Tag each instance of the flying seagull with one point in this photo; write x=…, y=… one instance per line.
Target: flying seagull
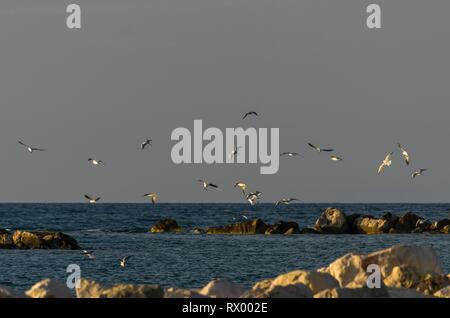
x=253, y=197
x=290, y=154
x=152, y=196
x=404, y=153
x=123, y=262
x=336, y=158
x=418, y=173
x=234, y=152
x=285, y=201
x=89, y=254
x=250, y=113
x=386, y=162
x=206, y=184
x=147, y=142
x=95, y=162
x=29, y=148
x=318, y=149
x=241, y=185
x=91, y=199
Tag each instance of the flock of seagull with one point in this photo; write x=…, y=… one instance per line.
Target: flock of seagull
x=251, y=197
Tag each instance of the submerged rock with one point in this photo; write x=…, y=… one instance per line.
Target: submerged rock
x=166, y=225
x=37, y=240
x=282, y=227
x=6, y=292
x=49, y=288
x=332, y=221
x=256, y=226
x=222, y=288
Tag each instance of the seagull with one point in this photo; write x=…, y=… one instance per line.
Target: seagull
x=242, y=216
x=290, y=154
x=336, y=158
x=234, y=152
x=123, y=262
x=418, y=173
x=319, y=149
x=250, y=113
x=89, y=254
x=29, y=148
x=206, y=184
x=285, y=201
x=147, y=142
x=404, y=153
x=253, y=197
x=95, y=162
x=386, y=162
x=152, y=196
x=241, y=185
x=91, y=199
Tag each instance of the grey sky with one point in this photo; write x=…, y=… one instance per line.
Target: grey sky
x=139, y=69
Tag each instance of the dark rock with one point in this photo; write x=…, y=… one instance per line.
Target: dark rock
x=282, y=227
x=166, y=225
x=442, y=226
x=446, y=229
x=422, y=226
x=308, y=230
x=256, y=226
x=351, y=222
x=332, y=221
x=406, y=223
x=198, y=231
x=42, y=240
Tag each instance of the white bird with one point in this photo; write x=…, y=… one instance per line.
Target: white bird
x=290, y=154
x=95, y=162
x=386, y=162
x=123, y=262
x=92, y=200
x=418, y=173
x=89, y=254
x=147, y=142
x=336, y=158
x=241, y=185
x=234, y=152
x=253, y=197
x=285, y=201
x=29, y=148
x=153, y=196
x=250, y=113
x=404, y=153
x=206, y=184
x=318, y=149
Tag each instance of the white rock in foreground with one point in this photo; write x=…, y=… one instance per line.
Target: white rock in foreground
x=222, y=288
x=49, y=288
x=6, y=292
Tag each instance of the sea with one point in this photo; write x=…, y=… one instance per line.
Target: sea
x=188, y=260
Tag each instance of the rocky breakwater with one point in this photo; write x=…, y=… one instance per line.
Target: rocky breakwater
x=166, y=225
x=405, y=271
x=36, y=240
x=334, y=221
x=256, y=226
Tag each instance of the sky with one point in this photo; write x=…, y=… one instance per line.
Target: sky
x=140, y=69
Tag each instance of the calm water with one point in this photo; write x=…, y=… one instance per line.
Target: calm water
x=189, y=260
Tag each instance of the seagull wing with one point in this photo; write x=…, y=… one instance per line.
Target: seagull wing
x=327, y=150
x=88, y=197
x=312, y=146
x=20, y=142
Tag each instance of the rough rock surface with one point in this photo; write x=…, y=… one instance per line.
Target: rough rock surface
x=166, y=225
x=406, y=223
x=92, y=289
x=282, y=227
x=353, y=293
x=37, y=240
x=182, y=293
x=443, y=293
x=222, y=288
x=49, y=288
x=369, y=225
x=332, y=221
x=256, y=226
x=314, y=280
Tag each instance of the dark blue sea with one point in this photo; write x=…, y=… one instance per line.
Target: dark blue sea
x=190, y=260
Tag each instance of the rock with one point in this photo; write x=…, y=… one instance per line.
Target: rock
x=315, y=281
x=182, y=293
x=282, y=227
x=49, y=288
x=332, y=221
x=446, y=229
x=353, y=293
x=406, y=223
x=5, y=239
x=6, y=292
x=256, y=226
x=405, y=293
x=222, y=288
x=198, y=231
x=349, y=271
x=289, y=291
x=367, y=225
x=308, y=230
x=440, y=225
x=166, y=225
x=258, y=290
x=422, y=226
x=43, y=240
x=443, y=293
x=351, y=220
x=92, y=289
x=429, y=284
